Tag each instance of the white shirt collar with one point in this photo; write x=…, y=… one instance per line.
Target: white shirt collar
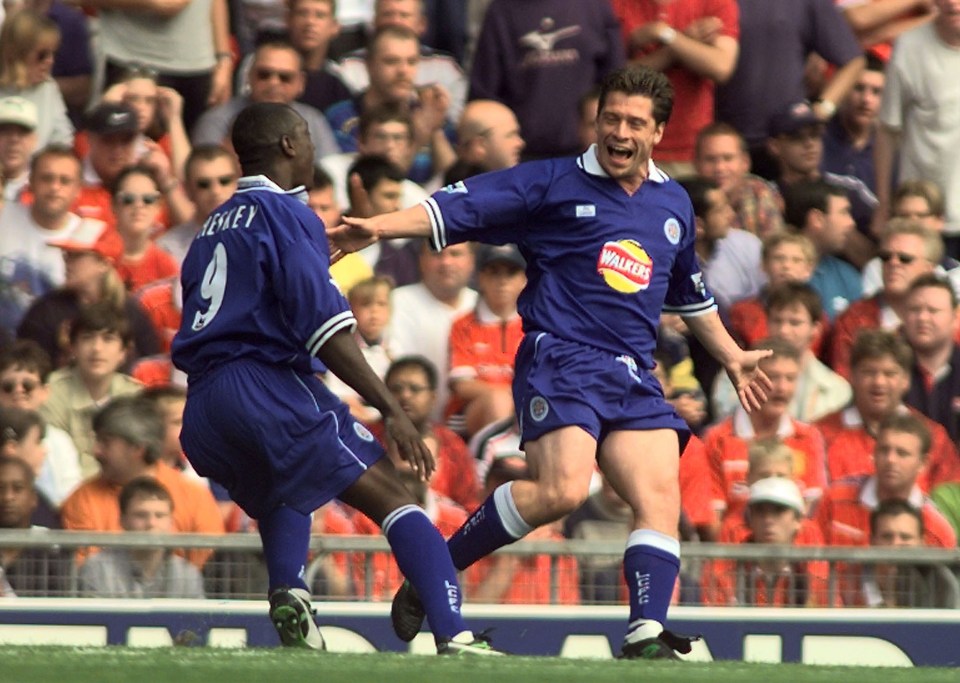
x=262, y=182
x=589, y=162
x=869, y=499
x=743, y=428
x=488, y=317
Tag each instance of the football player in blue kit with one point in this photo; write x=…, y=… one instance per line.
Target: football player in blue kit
x=259, y=309
x=609, y=243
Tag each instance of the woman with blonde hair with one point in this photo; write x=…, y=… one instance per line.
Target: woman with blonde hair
x=28, y=43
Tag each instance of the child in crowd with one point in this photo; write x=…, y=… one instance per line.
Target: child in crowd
x=24, y=370
x=99, y=338
x=370, y=301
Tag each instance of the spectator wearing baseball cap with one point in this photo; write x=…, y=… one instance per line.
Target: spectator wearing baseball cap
x=90, y=254
x=115, y=143
x=483, y=343
x=775, y=515
x=796, y=143
x=18, y=141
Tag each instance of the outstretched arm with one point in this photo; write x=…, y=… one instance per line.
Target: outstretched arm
x=742, y=366
x=356, y=233
x=343, y=357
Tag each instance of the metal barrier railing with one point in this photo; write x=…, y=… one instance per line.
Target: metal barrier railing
x=746, y=574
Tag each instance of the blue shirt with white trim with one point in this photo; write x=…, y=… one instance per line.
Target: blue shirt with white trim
x=257, y=285
x=601, y=264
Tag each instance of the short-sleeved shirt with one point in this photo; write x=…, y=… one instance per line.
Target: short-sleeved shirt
x=601, y=264
x=250, y=285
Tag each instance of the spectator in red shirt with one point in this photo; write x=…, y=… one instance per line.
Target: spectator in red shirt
x=413, y=380
x=696, y=44
x=787, y=257
x=903, y=444
x=774, y=516
x=483, y=343
x=880, y=377
x=136, y=206
x=728, y=441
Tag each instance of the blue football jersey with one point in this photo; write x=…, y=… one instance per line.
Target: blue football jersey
x=256, y=284
x=601, y=264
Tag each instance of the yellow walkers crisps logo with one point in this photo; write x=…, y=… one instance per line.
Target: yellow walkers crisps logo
x=625, y=266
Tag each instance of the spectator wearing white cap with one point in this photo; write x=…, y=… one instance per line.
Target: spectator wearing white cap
x=18, y=141
x=774, y=516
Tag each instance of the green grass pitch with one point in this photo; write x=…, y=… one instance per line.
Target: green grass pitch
x=210, y=665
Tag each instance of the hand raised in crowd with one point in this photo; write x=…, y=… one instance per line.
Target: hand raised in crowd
x=431, y=113
x=221, y=83
x=404, y=439
x=157, y=161
x=169, y=103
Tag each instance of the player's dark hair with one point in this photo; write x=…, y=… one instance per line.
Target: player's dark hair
x=28, y=355
x=143, y=487
x=134, y=419
x=894, y=508
x=372, y=168
x=803, y=197
x=421, y=363
x=640, y=80
x=258, y=129
x=698, y=188
x=908, y=423
x=101, y=317
x=789, y=293
x=877, y=344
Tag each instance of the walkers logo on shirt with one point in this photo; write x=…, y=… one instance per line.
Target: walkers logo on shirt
x=625, y=266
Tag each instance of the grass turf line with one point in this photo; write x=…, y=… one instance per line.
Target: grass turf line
x=50, y=664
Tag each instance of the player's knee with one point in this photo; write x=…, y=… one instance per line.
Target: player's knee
x=562, y=500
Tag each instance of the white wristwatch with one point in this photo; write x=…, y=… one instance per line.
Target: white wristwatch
x=667, y=35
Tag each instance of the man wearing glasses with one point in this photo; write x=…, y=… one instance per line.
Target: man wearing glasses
x=276, y=75
x=907, y=251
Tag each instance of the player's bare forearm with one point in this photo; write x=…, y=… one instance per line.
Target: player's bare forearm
x=344, y=359
x=356, y=233
x=715, y=338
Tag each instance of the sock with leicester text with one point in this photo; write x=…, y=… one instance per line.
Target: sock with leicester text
x=493, y=525
x=651, y=564
x=424, y=560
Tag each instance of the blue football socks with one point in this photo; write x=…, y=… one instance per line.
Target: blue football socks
x=424, y=560
x=651, y=564
x=493, y=525
x=286, y=540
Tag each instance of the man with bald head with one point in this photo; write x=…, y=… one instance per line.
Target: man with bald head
x=257, y=418
x=489, y=136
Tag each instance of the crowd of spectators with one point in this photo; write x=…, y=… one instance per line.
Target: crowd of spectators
x=817, y=141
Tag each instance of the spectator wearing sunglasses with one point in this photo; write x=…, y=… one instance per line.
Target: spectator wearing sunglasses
x=136, y=204
x=277, y=76
x=907, y=251
x=29, y=42
x=24, y=371
x=210, y=176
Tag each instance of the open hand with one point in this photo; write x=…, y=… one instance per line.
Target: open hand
x=404, y=437
x=751, y=382
x=352, y=235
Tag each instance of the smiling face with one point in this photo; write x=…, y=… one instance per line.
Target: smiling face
x=626, y=136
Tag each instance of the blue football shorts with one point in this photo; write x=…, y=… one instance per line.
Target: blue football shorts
x=560, y=383
x=272, y=436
